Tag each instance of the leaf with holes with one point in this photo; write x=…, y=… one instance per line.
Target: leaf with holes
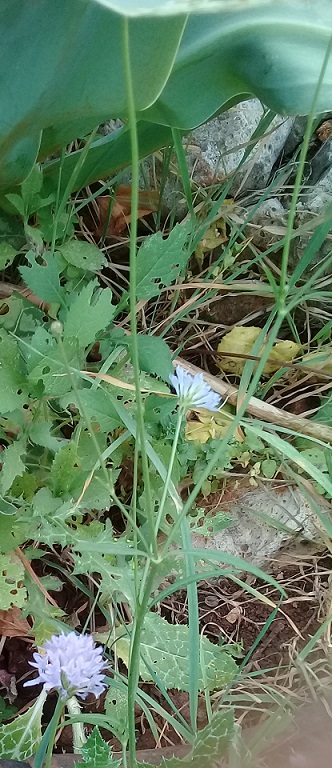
x=96, y=753
x=90, y=312
x=43, y=279
x=13, y=533
x=12, y=464
x=53, y=371
x=160, y=261
x=84, y=255
x=116, y=710
x=97, y=405
x=19, y=739
x=7, y=255
x=12, y=591
x=166, y=649
x=64, y=469
x=12, y=381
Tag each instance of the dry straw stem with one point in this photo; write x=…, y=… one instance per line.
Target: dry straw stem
x=260, y=409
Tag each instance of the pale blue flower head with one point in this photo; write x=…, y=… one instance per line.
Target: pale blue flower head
x=192, y=391
x=72, y=664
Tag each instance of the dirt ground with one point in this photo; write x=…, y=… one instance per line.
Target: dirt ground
x=227, y=614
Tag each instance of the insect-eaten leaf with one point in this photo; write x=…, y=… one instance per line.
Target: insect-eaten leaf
x=160, y=261
x=165, y=649
x=84, y=255
x=115, y=212
x=204, y=425
x=12, y=591
x=43, y=279
x=237, y=345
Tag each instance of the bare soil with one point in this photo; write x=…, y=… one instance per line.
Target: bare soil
x=229, y=614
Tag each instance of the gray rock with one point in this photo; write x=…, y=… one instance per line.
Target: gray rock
x=319, y=197
x=251, y=537
x=217, y=148
x=320, y=163
x=295, y=135
x=266, y=224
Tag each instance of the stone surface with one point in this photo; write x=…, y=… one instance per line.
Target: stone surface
x=251, y=537
x=216, y=148
x=267, y=223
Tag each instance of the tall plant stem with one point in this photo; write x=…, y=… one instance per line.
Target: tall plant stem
x=134, y=662
x=53, y=729
x=169, y=470
x=141, y=606
x=132, y=283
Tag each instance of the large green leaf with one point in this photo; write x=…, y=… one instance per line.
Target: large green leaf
x=64, y=59
x=170, y=7
x=74, y=65
x=106, y=156
x=274, y=52
x=165, y=649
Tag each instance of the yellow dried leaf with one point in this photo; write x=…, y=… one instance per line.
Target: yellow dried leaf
x=208, y=425
x=239, y=340
x=283, y=352
x=214, y=236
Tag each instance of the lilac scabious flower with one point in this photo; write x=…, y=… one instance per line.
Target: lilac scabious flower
x=192, y=391
x=72, y=664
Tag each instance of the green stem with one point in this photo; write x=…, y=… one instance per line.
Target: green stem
x=52, y=732
x=133, y=271
x=170, y=470
x=134, y=663
x=79, y=737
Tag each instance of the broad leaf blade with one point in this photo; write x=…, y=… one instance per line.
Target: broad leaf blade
x=159, y=262
x=155, y=356
x=43, y=280
x=19, y=738
x=166, y=649
x=90, y=313
x=13, y=385
x=53, y=78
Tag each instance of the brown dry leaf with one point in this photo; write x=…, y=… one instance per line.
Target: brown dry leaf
x=148, y=202
x=234, y=615
x=324, y=131
x=12, y=624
